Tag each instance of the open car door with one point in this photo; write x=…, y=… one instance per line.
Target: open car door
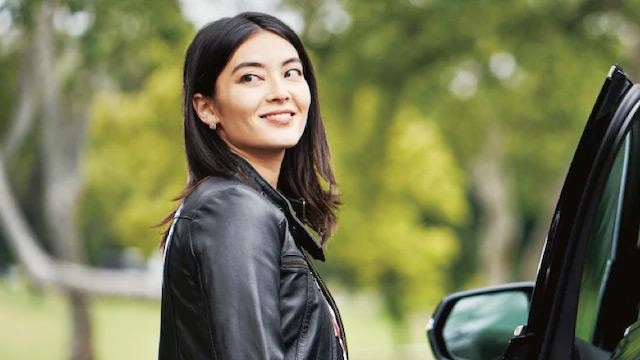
x=586, y=293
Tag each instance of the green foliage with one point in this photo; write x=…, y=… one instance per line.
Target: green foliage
x=129, y=39
x=105, y=62
x=460, y=70
x=399, y=238
x=409, y=92
x=135, y=163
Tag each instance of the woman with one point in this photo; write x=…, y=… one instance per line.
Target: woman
x=238, y=283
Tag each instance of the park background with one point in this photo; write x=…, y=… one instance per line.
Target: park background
x=451, y=123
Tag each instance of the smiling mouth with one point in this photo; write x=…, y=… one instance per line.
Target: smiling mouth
x=279, y=117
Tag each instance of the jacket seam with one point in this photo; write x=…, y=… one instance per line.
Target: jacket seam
x=304, y=325
x=204, y=295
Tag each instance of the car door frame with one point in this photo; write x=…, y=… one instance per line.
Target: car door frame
x=550, y=330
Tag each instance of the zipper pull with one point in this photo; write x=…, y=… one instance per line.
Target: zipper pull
x=304, y=211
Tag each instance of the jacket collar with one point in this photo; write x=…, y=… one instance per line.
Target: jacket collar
x=291, y=208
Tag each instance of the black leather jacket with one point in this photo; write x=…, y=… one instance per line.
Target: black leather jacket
x=237, y=281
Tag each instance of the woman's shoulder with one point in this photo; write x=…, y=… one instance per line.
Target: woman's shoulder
x=234, y=214
x=230, y=196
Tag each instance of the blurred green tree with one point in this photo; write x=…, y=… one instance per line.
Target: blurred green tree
x=58, y=54
x=506, y=85
x=451, y=124
x=135, y=162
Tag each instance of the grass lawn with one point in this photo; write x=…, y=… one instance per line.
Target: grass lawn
x=35, y=326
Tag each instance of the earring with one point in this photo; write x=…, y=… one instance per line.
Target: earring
x=213, y=125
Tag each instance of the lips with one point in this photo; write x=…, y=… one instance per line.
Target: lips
x=280, y=116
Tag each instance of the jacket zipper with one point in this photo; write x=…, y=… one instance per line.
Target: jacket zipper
x=329, y=298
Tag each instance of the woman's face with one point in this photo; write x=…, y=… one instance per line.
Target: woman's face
x=261, y=97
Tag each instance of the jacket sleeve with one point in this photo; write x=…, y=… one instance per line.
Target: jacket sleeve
x=236, y=240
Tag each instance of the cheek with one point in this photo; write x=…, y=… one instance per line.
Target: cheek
x=305, y=98
x=238, y=104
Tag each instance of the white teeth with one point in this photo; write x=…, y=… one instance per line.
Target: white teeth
x=279, y=117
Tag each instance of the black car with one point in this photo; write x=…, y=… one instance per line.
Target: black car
x=584, y=302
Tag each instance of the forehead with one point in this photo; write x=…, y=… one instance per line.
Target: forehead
x=263, y=47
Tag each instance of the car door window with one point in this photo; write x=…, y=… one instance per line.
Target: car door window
x=601, y=246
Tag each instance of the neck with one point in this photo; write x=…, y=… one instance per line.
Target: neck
x=267, y=164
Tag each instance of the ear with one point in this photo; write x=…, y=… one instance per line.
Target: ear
x=205, y=108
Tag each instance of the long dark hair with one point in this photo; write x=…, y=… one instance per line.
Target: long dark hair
x=305, y=165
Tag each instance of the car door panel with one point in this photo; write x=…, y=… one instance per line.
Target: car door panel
x=591, y=257
x=550, y=332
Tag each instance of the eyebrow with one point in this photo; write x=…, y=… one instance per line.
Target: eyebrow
x=259, y=65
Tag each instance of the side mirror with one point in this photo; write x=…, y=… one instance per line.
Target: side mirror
x=478, y=324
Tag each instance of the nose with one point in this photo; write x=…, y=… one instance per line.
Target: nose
x=278, y=92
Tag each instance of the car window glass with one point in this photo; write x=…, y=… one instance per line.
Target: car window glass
x=602, y=240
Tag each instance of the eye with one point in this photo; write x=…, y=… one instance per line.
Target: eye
x=247, y=78
x=293, y=73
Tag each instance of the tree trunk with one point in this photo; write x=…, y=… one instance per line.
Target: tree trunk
x=45, y=271
x=81, y=345
x=62, y=179
x=62, y=146
x=498, y=231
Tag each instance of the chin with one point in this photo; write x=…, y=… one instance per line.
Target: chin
x=287, y=145
x=285, y=140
